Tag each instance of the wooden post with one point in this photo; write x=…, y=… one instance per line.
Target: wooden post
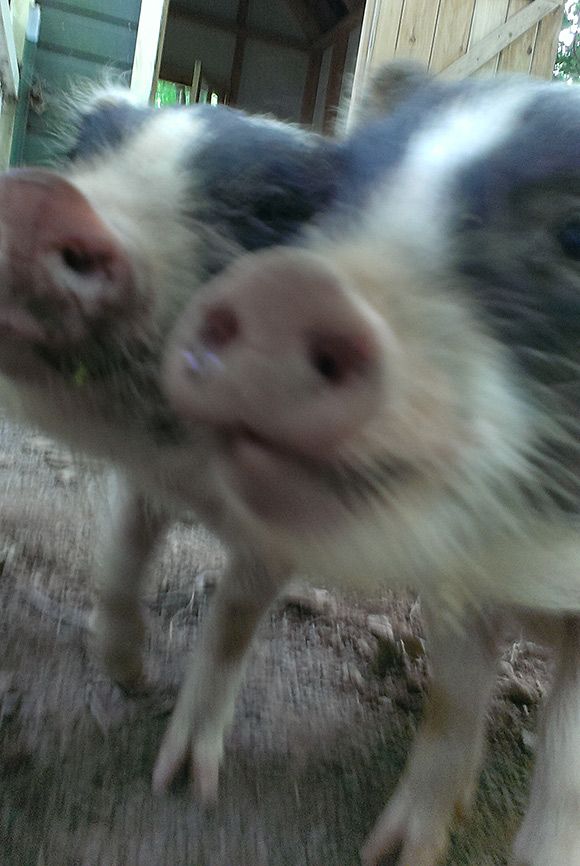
x=240, y=46
x=337, y=64
x=311, y=87
x=150, y=34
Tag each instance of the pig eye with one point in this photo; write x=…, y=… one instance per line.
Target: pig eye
x=569, y=239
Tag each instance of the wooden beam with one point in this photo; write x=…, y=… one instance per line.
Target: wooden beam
x=305, y=19
x=501, y=37
x=9, y=72
x=334, y=88
x=311, y=87
x=257, y=33
x=340, y=30
x=238, y=58
x=148, y=47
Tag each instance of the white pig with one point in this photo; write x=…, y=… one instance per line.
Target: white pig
x=395, y=399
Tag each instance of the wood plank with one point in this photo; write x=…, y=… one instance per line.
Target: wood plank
x=417, y=29
x=452, y=34
x=337, y=64
x=72, y=32
x=378, y=40
x=147, y=48
x=8, y=59
x=517, y=57
x=546, y=46
x=177, y=11
x=160, y=44
x=383, y=40
x=122, y=10
x=311, y=87
x=239, y=48
x=500, y=38
x=486, y=17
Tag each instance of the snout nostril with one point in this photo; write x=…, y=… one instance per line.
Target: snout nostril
x=79, y=261
x=220, y=327
x=328, y=366
x=337, y=358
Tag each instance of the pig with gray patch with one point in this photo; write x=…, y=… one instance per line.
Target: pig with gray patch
x=395, y=401
x=97, y=260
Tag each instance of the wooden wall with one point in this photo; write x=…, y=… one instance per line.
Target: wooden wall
x=462, y=37
x=80, y=40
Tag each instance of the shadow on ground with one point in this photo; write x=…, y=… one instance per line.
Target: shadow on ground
x=319, y=740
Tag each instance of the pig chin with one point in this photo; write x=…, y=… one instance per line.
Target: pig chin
x=278, y=488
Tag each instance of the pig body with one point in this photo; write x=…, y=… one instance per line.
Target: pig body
x=396, y=400
x=97, y=261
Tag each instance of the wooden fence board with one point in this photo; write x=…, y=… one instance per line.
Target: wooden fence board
x=387, y=31
x=517, y=57
x=378, y=39
x=461, y=37
x=452, y=33
x=417, y=29
x=482, y=51
x=546, y=45
x=486, y=17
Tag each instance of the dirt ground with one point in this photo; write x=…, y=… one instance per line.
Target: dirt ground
x=323, y=725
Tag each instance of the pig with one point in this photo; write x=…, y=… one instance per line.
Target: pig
x=97, y=260
x=395, y=397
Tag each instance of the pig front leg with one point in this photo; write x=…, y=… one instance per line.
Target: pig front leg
x=442, y=771
x=132, y=530
x=206, y=702
x=550, y=832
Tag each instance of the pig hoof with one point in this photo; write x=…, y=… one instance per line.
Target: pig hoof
x=399, y=840
x=397, y=853
x=201, y=760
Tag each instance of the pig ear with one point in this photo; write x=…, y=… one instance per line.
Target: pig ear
x=387, y=87
x=101, y=118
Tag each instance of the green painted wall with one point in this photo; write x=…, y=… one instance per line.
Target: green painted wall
x=79, y=41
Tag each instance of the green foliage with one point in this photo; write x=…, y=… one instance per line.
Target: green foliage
x=169, y=93
x=568, y=57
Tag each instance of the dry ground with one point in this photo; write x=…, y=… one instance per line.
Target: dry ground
x=322, y=729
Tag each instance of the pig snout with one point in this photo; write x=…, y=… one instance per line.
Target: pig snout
x=279, y=347
x=61, y=268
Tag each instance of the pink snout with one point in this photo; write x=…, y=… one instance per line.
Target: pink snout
x=61, y=268
x=278, y=347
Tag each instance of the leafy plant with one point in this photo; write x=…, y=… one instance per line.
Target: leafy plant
x=568, y=57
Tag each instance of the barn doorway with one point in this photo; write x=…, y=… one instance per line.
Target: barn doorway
x=293, y=59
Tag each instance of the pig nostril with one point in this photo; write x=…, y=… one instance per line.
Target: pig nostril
x=336, y=359
x=79, y=261
x=328, y=367
x=220, y=327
